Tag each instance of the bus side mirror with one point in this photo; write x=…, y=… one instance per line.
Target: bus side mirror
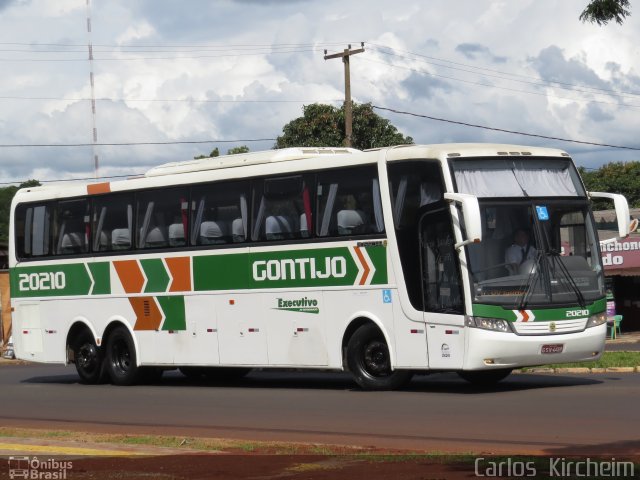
x=622, y=211
x=471, y=214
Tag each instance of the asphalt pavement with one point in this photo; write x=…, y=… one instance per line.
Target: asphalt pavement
x=527, y=413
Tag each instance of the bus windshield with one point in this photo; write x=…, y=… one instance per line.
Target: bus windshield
x=537, y=249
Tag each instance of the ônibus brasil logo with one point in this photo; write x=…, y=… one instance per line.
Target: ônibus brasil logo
x=303, y=305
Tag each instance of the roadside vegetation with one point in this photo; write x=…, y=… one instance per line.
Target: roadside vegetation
x=608, y=360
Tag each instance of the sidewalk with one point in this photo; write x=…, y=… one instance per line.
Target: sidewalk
x=624, y=342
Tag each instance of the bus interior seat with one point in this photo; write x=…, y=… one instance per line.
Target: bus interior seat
x=212, y=233
x=71, y=242
x=176, y=235
x=155, y=238
x=120, y=239
x=237, y=230
x=350, y=221
x=277, y=227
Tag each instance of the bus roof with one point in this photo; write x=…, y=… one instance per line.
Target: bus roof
x=469, y=150
x=250, y=158
x=340, y=155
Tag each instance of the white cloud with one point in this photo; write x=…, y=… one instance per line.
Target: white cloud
x=213, y=90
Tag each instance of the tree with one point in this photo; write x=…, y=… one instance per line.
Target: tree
x=214, y=153
x=323, y=126
x=236, y=150
x=615, y=177
x=6, y=196
x=232, y=151
x=603, y=11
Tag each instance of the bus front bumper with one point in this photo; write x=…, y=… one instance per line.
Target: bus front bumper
x=489, y=350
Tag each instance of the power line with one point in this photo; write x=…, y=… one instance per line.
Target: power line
x=195, y=57
x=85, y=179
x=120, y=144
x=470, y=82
x=168, y=100
x=502, y=130
x=543, y=82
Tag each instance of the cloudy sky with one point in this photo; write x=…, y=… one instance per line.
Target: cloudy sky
x=237, y=71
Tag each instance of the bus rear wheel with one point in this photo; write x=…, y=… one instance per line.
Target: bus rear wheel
x=121, y=359
x=369, y=361
x=89, y=359
x=485, y=378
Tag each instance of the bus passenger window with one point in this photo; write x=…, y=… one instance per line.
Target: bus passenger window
x=349, y=202
x=112, y=221
x=283, y=208
x=32, y=230
x=219, y=213
x=162, y=218
x=71, y=227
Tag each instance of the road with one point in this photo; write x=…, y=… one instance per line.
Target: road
x=526, y=413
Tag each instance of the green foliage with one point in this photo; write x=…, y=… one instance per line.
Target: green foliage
x=6, y=195
x=603, y=11
x=615, y=177
x=236, y=150
x=216, y=152
x=323, y=126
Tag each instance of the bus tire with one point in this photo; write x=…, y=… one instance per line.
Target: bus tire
x=89, y=359
x=121, y=359
x=369, y=361
x=485, y=378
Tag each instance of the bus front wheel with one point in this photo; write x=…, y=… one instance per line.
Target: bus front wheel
x=121, y=360
x=89, y=359
x=369, y=361
x=485, y=378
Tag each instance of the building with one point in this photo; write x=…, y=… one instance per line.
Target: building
x=621, y=260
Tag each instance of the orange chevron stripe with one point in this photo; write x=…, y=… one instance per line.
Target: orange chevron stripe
x=180, y=270
x=130, y=275
x=148, y=315
x=367, y=270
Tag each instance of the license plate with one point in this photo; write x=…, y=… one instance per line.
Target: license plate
x=552, y=348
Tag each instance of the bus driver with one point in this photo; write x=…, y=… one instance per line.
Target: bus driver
x=519, y=252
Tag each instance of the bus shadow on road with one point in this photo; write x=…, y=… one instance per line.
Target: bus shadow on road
x=445, y=382
x=452, y=383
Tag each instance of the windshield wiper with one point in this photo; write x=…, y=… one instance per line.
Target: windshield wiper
x=565, y=271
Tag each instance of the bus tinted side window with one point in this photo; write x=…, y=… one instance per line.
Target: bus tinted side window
x=112, y=222
x=219, y=213
x=33, y=230
x=349, y=202
x=162, y=218
x=282, y=208
x=71, y=227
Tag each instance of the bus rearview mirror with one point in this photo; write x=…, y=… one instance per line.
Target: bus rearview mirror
x=471, y=214
x=622, y=211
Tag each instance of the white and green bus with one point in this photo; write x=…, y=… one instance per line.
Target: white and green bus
x=385, y=262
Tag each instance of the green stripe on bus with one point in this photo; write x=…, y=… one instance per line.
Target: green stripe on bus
x=174, y=311
x=156, y=273
x=541, y=314
x=101, y=277
x=317, y=267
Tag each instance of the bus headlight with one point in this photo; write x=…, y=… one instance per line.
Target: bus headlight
x=495, y=324
x=597, y=319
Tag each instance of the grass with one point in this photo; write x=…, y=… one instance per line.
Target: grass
x=608, y=359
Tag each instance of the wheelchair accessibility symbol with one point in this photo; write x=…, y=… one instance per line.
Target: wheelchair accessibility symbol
x=386, y=296
x=543, y=213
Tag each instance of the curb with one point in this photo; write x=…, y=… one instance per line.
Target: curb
x=581, y=370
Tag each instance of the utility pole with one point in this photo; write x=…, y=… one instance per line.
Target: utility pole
x=348, y=114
